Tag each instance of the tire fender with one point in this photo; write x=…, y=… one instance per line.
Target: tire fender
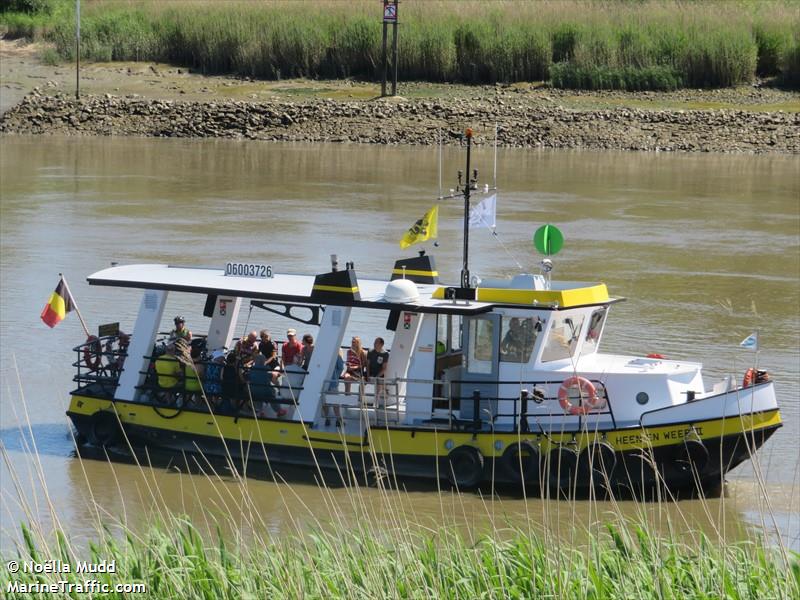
x=465, y=467
x=521, y=462
x=104, y=429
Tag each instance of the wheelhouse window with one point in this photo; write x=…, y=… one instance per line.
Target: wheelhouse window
x=481, y=340
x=448, y=334
x=563, y=336
x=592, y=339
x=518, y=337
x=455, y=332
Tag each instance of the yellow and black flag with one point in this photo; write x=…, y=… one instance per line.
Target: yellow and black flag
x=424, y=229
x=58, y=306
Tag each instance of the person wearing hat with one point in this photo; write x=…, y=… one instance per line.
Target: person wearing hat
x=292, y=350
x=180, y=331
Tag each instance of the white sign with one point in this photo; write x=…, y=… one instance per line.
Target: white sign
x=233, y=269
x=389, y=13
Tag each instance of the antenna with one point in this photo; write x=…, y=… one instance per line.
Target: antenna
x=494, y=180
x=464, y=189
x=465, y=282
x=440, y=163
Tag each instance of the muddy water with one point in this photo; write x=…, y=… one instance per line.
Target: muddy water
x=705, y=248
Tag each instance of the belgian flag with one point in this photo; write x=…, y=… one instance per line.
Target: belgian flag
x=58, y=306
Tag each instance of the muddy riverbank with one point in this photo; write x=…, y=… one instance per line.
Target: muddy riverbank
x=147, y=99
x=406, y=121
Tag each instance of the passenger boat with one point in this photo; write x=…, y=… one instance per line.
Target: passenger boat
x=493, y=381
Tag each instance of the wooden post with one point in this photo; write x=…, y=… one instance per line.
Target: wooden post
x=385, y=57
x=77, y=49
x=389, y=16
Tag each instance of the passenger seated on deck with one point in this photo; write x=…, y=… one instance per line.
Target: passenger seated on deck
x=269, y=350
x=231, y=384
x=356, y=363
x=261, y=390
x=308, y=350
x=377, y=361
x=180, y=331
x=169, y=373
x=292, y=350
x=247, y=349
x=191, y=381
x=212, y=378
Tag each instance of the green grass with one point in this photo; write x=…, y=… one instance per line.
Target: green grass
x=175, y=561
x=601, y=44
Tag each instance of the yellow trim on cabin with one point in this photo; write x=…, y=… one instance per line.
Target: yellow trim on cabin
x=335, y=288
x=595, y=294
x=417, y=442
x=415, y=272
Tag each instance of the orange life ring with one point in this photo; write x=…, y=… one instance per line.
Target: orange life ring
x=588, y=391
x=749, y=378
x=92, y=353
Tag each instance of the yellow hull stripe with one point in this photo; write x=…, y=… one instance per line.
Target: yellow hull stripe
x=335, y=288
x=415, y=272
x=420, y=442
x=595, y=294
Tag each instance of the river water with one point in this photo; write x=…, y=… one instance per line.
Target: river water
x=705, y=247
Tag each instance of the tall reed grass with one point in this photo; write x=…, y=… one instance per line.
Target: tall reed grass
x=648, y=44
x=175, y=561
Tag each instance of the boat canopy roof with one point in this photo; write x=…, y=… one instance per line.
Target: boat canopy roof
x=297, y=289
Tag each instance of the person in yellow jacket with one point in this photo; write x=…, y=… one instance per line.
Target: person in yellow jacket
x=191, y=382
x=169, y=373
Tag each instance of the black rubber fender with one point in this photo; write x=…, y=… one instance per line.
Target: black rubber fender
x=521, y=462
x=465, y=467
x=601, y=458
x=563, y=467
x=104, y=429
x=636, y=472
x=694, y=456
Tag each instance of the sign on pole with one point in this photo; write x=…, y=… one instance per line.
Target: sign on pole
x=389, y=12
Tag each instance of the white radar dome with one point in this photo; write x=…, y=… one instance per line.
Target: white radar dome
x=401, y=291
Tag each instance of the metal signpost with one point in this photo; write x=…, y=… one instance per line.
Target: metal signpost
x=389, y=17
x=77, y=49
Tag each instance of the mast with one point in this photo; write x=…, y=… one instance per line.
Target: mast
x=465, y=258
x=465, y=189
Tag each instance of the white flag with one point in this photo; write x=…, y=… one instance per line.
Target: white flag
x=484, y=214
x=750, y=342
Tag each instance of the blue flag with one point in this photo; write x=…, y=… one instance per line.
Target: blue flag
x=750, y=342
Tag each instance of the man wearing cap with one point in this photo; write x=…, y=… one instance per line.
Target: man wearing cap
x=292, y=350
x=180, y=331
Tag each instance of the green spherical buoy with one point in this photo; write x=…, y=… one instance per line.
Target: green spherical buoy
x=548, y=240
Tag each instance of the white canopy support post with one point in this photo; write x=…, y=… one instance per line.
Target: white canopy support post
x=323, y=361
x=402, y=348
x=220, y=331
x=143, y=337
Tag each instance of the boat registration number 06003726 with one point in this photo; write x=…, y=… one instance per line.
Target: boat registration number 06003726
x=248, y=270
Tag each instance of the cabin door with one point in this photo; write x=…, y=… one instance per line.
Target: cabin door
x=481, y=365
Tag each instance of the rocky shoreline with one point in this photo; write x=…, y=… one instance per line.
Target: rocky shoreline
x=523, y=122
